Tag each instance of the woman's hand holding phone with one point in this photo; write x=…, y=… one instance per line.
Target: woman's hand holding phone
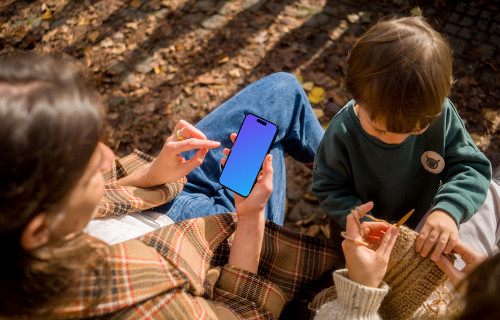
x=249, y=234
x=253, y=206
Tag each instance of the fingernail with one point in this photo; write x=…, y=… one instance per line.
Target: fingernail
x=394, y=231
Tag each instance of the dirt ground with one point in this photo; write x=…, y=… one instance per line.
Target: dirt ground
x=156, y=62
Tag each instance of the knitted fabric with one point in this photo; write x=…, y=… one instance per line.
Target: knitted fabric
x=410, y=277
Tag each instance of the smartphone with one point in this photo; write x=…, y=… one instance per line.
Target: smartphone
x=255, y=139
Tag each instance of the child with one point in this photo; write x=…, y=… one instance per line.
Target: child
x=401, y=143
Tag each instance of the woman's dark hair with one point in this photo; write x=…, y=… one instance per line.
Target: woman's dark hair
x=482, y=297
x=50, y=122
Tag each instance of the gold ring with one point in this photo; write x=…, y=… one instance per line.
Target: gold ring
x=179, y=136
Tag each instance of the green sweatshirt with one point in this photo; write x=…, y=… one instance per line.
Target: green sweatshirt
x=440, y=167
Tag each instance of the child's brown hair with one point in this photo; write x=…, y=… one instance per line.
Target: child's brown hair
x=400, y=71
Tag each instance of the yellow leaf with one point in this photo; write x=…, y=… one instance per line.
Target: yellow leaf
x=316, y=95
x=82, y=21
x=47, y=15
x=300, y=78
x=318, y=91
x=157, y=69
x=136, y=3
x=416, y=11
x=314, y=99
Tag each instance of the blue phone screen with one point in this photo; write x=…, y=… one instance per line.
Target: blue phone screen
x=249, y=150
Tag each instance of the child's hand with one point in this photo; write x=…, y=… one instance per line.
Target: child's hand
x=439, y=226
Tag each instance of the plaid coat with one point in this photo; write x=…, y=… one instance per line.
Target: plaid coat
x=181, y=271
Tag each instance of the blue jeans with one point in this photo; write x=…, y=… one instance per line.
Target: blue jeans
x=278, y=98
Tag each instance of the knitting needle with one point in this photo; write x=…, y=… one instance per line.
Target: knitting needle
x=403, y=219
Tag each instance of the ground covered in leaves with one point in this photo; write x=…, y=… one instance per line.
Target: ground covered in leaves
x=158, y=61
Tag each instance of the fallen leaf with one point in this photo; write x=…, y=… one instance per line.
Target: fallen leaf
x=235, y=73
x=299, y=78
x=305, y=221
x=157, y=69
x=245, y=65
x=307, y=85
x=325, y=229
x=140, y=92
x=353, y=18
x=311, y=231
x=82, y=21
x=416, y=11
x=476, y=138
x=338, y=98
x=310, y=197
x=208, y=79
x=93, y=36
x=47, y=15
x=491, y=115
x=316, y=95
x=136, y=3
x=222, y=59
x=131, y=25
x=318, y=112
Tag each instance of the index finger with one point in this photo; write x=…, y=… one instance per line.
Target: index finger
x=352, y=227
x=190, y=144
x=449, y=269
x=461, y=248
x=189, y=131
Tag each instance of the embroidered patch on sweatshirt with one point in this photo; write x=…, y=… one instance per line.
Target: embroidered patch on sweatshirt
x=432, y=162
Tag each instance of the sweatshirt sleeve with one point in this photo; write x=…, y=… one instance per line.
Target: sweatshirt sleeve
x=354, y=301
x=467, y=172
x=332, y=176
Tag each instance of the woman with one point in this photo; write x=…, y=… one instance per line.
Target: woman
x=231, y=265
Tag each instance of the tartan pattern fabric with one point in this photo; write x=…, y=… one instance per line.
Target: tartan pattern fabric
x=175, y=273
x=119, y=200
x=180, y=271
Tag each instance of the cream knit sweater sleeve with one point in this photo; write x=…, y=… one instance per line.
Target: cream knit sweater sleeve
x=354, y=301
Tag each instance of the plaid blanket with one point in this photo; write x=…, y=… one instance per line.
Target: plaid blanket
x=181, y=271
